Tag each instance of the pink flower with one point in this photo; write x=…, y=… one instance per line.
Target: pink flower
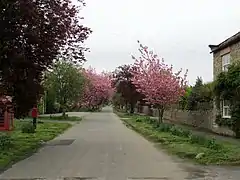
x=156, y=80
x=98, y=88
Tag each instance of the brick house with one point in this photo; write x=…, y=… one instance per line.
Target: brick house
x=225, y=53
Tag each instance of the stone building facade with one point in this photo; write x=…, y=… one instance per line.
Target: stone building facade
x=225, y=53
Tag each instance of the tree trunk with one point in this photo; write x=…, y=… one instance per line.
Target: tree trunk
x=126, y=107
x=149, y=110
x=64, y=113
x=131, y=108
x=63, y=110
x=160, y=115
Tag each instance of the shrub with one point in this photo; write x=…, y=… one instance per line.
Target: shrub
x=138, y=119
x=165, y=127
x=5, y=141
x=176, y=131
x=180, y=132
x=186, y=133
x=201, y=96
x=196, y=139
x=28, y=128
x=212, y=144
x=147, y=119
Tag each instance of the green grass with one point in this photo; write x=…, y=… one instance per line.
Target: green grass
x=60, y=118
x=127, y=115
x=24, y=144
x=185, y=145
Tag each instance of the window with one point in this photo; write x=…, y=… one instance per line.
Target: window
x=225, y=61
x=226, y=109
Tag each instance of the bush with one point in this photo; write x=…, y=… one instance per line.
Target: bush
x=200, y=97
x=196, y=139
x=138, y=119
x=181, y=132
x=212, y=144
x=186, y=133
x=5, y=141
x=165, y=127
x=28, y=128
x=147, y=119
x=176, y=131
x=152, y=121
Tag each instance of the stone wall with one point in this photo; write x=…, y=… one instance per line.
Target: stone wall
x=196, y=119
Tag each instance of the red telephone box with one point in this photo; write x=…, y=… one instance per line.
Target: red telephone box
x=6, y=113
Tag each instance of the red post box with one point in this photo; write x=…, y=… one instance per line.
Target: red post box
x=6, y=113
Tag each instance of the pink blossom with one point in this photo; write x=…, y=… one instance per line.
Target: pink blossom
x=156, y=80
x=97, y=88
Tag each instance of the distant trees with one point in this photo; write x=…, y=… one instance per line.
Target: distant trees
x=64, y=84
x=97, y=90
x=71, y=87
x=33, y=34
x=125, y=89
x=201, y=96
x=183, y=102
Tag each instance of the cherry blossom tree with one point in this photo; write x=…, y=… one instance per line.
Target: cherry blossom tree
x=97, y=90
x=157, y=81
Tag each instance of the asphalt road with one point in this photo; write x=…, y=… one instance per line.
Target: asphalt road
x=102, y=148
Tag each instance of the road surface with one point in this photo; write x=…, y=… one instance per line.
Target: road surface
x=102, y=148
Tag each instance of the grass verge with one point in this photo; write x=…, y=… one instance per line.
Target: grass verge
x=183, y=143
x=60, y=118
x=16, y=145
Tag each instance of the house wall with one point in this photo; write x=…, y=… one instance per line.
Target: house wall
x=217, y=60
x=234, y=51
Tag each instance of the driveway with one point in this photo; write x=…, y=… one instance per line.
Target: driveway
x=102, y=148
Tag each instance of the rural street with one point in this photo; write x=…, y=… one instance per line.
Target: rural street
x=101, y=147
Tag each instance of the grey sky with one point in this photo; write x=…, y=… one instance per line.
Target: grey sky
x=177, y=30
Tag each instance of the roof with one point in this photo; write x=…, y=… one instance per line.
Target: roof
x=232, y=40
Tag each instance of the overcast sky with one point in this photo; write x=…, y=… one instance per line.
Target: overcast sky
x=177, y=30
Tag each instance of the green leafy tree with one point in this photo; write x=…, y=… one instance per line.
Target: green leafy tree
x=194, y=97
x=201, y=96
x=51, y=101
x=184, y=99
x=65, y=84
